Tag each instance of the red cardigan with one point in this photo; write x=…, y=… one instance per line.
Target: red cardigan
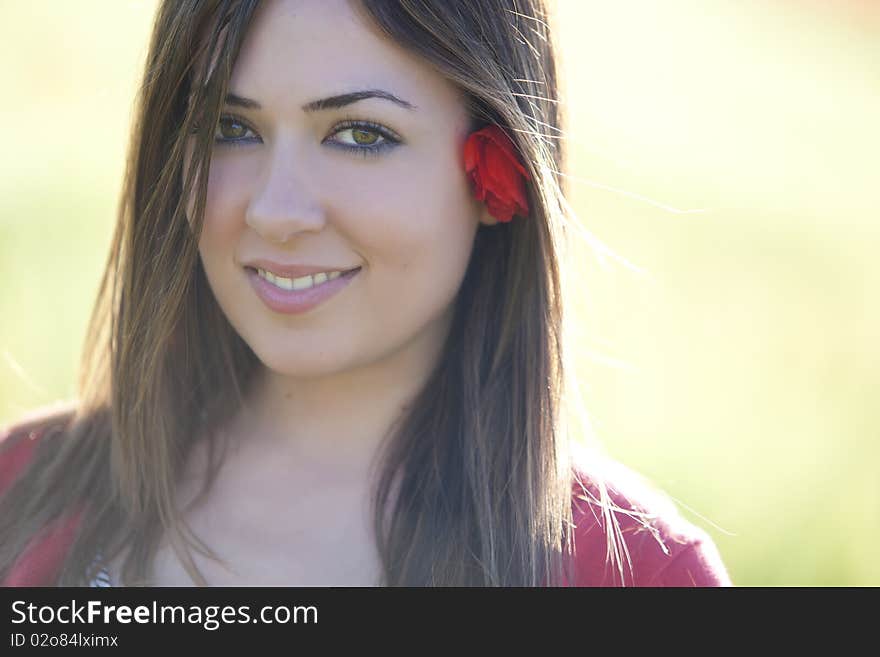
x=674, y=553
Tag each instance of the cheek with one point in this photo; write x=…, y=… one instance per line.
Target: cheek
x=225, y=207
x=415, y=222
x=415, y=201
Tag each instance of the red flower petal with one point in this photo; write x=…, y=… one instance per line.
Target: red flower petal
x=496, y=173
x=499, y=138
x=499, y=209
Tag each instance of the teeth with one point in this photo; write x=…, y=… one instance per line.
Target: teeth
x=298, y=283
x=302, y=283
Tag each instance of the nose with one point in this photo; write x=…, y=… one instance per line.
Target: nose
x=284, y=203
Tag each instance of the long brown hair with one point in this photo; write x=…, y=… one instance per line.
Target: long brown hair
x=479, y=464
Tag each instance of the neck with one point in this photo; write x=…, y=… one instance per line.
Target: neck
x=339, y=421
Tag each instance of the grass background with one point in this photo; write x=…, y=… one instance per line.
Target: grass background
x=727, y=155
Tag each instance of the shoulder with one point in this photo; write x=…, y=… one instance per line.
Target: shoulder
x=18, y=441
x=40, y=561
x=632, y=535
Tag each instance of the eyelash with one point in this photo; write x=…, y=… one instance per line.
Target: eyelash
x=391, y=140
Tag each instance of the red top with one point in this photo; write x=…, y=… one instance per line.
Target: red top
x=669, y=551
x=673, y=552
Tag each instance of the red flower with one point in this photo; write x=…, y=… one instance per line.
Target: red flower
x=498, y=176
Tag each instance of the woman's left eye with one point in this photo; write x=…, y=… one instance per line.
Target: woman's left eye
x=363, y=137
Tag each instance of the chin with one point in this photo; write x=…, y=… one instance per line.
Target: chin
x=300, y=366
x=301, y=362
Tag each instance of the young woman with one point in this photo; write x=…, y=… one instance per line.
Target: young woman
x=328, y=346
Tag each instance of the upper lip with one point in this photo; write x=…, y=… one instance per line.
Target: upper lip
x=293, y=271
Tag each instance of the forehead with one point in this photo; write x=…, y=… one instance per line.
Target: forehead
x=300, y=50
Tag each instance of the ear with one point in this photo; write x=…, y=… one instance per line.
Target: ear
x=485, y=217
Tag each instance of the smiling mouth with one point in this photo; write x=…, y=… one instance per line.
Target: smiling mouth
x=307, y=294
x=303, y=282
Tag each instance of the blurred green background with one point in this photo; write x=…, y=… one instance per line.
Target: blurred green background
x=726, y=155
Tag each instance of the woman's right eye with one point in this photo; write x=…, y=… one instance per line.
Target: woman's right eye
x=232, y=131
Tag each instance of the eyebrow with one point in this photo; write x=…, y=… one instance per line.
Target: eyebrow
x=332, y=102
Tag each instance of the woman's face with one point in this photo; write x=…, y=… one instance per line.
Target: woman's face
x=298, y=178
